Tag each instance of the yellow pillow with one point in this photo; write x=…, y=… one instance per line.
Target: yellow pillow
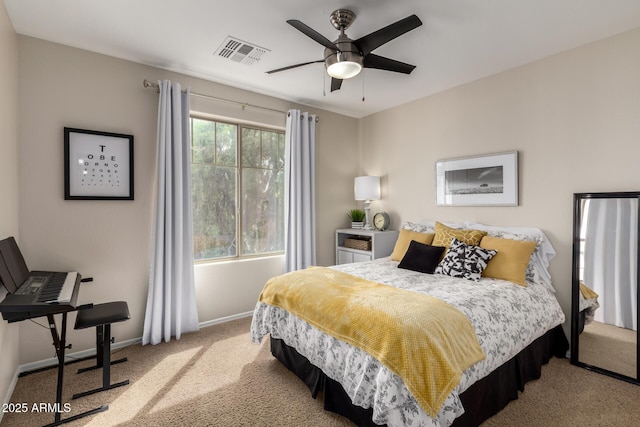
x=511, y=261
x=445, y=234
x=405, y=238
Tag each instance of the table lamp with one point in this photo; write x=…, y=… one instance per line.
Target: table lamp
x=367, y=188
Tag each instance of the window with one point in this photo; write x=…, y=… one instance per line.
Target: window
x=237, y=178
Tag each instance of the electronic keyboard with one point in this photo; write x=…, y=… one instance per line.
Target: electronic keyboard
x=49, y=287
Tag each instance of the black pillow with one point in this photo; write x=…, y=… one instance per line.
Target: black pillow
x=421, y=257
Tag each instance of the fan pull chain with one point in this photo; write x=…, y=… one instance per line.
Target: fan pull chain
x=362, y=85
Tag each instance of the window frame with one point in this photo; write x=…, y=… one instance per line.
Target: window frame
x=240, y=125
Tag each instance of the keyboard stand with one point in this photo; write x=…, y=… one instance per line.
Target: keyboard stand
x=59, y=341
x=17, y=308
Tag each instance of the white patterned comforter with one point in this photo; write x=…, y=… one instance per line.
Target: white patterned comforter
x=506, y=317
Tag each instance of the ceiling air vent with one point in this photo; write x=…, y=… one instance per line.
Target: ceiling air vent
x=240, y=51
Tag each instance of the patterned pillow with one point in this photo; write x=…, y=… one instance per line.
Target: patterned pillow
x=444, y=235
x=453, y=262
x=476, y=261
x=465, y=261
x=417, y=226
x=427, y=226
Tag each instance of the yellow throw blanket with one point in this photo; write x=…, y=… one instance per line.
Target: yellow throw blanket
x=423, y=340
x=587, y=292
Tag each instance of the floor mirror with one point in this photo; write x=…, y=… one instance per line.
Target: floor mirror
x=605, y=283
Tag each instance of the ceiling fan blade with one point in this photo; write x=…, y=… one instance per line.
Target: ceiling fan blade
x=293, y=66
x=310, y=32
x=388, y=64
x=335, y=84
x=388, y=33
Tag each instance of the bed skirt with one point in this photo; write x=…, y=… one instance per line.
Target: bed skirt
x=482, y=400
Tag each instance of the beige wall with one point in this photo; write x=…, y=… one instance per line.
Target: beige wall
x=109, y=240
x=8, y=181
x=573, y=117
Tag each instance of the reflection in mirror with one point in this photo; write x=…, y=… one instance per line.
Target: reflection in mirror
x=605, y=276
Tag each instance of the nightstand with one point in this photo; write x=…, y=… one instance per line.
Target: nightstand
x=355, y=245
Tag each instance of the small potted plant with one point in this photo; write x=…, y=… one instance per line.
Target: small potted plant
x=357, y=218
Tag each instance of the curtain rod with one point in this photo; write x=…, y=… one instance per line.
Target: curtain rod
x=147, y=83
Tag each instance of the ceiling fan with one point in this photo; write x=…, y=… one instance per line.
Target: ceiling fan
x=344, y=58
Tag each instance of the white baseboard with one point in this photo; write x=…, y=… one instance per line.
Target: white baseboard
x=46, y=363
x=92, y=351
x=52, y=362
x=7, y=398
x=225, y=319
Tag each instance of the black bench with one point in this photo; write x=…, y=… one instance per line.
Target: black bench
x=101, y=316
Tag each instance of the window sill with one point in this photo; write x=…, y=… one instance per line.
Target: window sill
x=240, y=259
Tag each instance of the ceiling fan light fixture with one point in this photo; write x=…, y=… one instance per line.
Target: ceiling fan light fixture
x=344, y=70
x=345, y=58
x=344, y=65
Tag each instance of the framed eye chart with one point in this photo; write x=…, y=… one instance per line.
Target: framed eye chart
x=97, y=165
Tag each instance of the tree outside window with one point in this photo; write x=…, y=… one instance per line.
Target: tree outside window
x=237, y=189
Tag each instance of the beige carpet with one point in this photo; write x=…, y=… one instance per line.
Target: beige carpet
x=216, y=377
x=609, y=347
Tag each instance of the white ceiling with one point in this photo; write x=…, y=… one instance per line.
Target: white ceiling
x=459, y=41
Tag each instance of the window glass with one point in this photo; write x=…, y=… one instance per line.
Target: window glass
x=251, y=147
x=237, y=209
x=203, y=140
x=226, y=143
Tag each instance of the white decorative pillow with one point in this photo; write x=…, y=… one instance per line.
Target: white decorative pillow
x=453, y=262
x=428, y=226
x=418, y=227
x=465, y=261
x=476, y=260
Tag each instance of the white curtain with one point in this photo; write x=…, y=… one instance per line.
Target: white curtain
x=299, y=185
x=610, y=256
x=171, y=304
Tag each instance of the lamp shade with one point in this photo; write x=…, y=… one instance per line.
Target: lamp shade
x=367, y=187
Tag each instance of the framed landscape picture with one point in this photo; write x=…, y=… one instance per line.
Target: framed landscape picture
x=487, y=180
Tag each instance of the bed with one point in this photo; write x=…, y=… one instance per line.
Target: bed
x=517, y=325
x=588, y=304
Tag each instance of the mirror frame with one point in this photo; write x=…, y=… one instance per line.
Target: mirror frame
x=575, y=283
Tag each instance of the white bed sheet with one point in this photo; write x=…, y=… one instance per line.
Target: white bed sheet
x=589, y=306
x=506, y=317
